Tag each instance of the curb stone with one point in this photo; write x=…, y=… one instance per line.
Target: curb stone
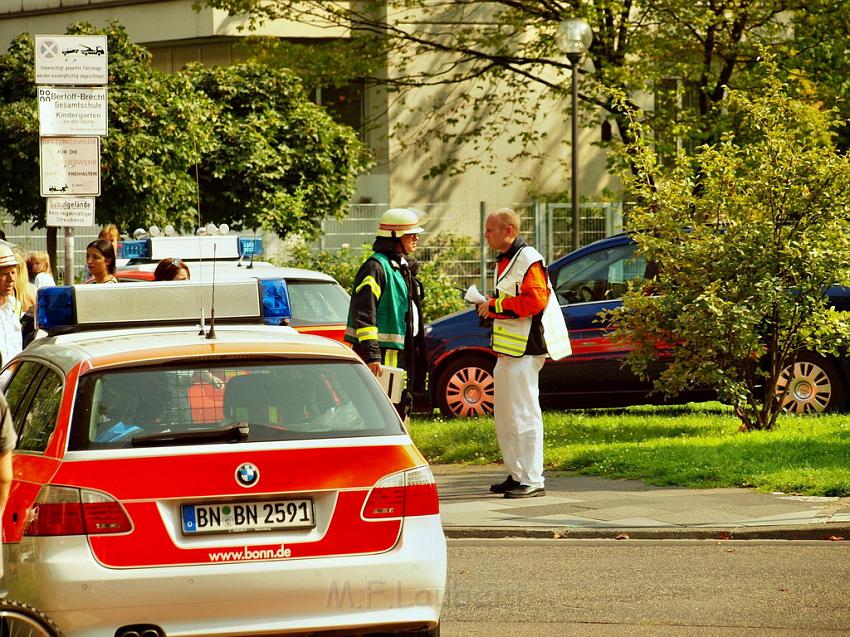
x=822, y=532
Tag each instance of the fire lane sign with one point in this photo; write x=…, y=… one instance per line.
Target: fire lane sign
x=70, y=166
x=71, y=59
x=72, y=111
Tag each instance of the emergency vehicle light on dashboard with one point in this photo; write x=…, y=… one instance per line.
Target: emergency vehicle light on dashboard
x=190, y=248
x=65, y=308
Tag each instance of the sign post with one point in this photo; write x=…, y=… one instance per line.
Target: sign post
x=72, y=115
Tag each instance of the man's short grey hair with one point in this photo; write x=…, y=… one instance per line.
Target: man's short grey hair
x=509, y=217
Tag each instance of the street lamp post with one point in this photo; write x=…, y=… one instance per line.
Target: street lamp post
x=574, y=38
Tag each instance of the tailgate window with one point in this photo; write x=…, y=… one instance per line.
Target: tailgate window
x=229, y=403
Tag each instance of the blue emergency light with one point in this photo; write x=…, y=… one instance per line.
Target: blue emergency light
x=55, y=307
x=250, y=246
x=134, y=249
x=69, y=308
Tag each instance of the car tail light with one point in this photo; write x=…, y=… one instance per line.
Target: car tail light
x=403, y=494
x=72, y=511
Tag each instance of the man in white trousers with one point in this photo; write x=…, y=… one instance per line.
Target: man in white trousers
x=527, y=325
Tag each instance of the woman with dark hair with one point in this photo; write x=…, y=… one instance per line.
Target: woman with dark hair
x=100, y=260
x=171, y=270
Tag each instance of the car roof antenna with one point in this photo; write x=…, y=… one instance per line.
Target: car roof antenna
x=202, y=331
x=211, y=332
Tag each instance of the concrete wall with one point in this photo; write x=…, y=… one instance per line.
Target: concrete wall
x=499, y=178
x=147, y=21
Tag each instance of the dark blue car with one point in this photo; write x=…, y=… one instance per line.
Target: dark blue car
x=587, y=281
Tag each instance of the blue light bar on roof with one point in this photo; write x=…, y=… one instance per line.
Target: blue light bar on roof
x=249, y=246
x=190, y=248
x=134, y=249
x=66, y=308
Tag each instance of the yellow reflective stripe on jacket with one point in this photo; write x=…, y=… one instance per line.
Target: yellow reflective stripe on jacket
x=499, y=300
x=372, y=283
x=367, y=334
x=507, y=347
x=508, y=342
x=396, y=339
x=391, y=358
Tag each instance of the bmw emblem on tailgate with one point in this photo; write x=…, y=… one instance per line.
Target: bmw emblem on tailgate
x=247, y=474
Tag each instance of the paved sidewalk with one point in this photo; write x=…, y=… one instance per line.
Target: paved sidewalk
x=588, y=507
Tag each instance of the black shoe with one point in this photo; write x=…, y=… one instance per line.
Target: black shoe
x=505, y=486
x=525, y=491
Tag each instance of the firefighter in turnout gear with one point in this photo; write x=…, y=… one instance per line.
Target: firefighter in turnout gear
x=527, y=325
x=385, y=316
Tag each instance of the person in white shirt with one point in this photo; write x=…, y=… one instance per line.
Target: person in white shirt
x=10, y=307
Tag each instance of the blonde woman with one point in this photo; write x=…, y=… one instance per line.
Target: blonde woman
x=38, y=266
x=110, y=233
x=24, y=290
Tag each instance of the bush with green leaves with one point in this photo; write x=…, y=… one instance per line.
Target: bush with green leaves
x=265, y=155
x=747, y=235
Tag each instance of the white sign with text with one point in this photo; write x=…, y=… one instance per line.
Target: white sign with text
x=72, y=111
x=70, y=166
x=71, y=59
x=70, y=211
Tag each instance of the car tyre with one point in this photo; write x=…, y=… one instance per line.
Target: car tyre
x=813, y=384
x=465, y=387
x=17, y=618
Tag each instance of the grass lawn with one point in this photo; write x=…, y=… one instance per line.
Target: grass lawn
x=694, y=445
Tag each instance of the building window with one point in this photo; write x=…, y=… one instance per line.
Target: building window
x=345, y=104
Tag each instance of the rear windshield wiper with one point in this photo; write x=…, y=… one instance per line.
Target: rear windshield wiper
x=233, y=432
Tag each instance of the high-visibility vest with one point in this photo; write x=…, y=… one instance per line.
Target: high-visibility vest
x=510, y=336
x=391, y=308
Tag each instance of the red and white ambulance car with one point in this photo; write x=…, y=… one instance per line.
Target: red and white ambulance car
x=171, y=484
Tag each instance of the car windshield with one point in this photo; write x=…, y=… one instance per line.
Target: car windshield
x=226, y=403
x=317, y=302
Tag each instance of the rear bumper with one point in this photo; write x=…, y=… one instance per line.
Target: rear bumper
x=402, y=587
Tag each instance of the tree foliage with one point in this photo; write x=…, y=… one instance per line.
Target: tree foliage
x=497, y=70
x=280, y=161
x=264, y=154
x=747, y=234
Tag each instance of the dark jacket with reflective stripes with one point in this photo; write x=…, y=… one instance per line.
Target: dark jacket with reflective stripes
x=363, y=313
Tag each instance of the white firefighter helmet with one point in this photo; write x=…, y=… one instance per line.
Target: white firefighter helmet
x=397, y=222
x=7, y=256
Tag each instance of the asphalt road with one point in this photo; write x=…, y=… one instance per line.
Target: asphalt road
x=630, y=587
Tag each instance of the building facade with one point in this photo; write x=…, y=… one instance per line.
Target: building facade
x=176, y=34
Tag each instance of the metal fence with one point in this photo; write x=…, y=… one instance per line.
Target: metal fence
x=454, y=234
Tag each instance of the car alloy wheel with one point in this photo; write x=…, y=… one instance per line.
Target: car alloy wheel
x=465, y=389
x=810, y=385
